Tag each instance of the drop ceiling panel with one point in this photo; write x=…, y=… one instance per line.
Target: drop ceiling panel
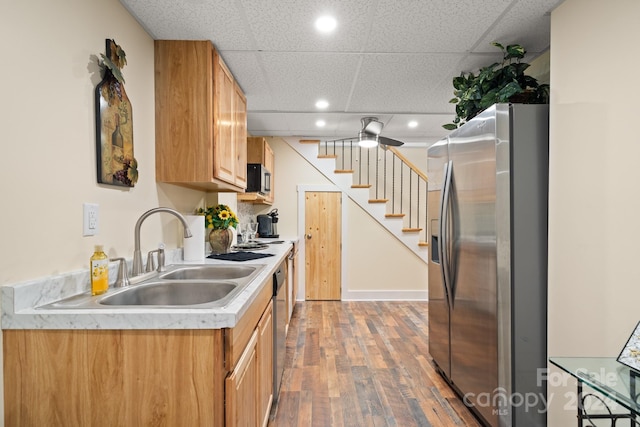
x=432, y=26
x=220, y=22
x=399, y=83
x=275, y=123
x=527, y=23
x=298, y=80
x=429, y=125
x=248, y=71
x=288, y=25
x=387, y=58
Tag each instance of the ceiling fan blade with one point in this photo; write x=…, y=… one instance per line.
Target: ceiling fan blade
x=388, y=141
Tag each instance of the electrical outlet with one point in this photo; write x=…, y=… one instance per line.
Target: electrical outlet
x=90, y=219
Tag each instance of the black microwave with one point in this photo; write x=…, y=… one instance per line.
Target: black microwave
x=258, y=179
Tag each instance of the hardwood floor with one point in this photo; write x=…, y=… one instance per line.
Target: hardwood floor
x=363, y=364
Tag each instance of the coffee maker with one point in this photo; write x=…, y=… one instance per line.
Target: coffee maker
x=268, y=224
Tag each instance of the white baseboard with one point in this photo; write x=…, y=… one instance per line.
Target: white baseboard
x=384, y=296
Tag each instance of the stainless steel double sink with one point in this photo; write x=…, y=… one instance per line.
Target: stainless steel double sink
x=181, y=286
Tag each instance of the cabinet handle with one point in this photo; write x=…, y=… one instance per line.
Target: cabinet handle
x=308, y=236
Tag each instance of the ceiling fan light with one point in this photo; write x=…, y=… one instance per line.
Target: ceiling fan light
x=367, y=141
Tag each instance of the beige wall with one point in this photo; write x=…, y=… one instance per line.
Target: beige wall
x=374, y=259
x=48, y=74
x=594, y=175
x=48, y=169
x=48, y=127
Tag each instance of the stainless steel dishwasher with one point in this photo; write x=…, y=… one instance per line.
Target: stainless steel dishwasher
x=279, y=327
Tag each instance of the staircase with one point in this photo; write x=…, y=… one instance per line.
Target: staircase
x=380, y=180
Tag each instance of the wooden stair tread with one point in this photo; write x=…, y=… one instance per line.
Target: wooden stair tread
x=395, y=215
x=378, y=200
x=309, y=141
x=411, y=230
x=361, y=186
x=327, y=156
x=343, y=171
x=423, y=244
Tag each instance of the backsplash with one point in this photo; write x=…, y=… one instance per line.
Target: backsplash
x=44, y=290
x=247, y=213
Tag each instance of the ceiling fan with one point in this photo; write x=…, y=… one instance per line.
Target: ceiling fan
x=369, y=135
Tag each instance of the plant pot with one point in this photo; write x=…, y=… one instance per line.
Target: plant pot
x=220, y=241
x=527, y=96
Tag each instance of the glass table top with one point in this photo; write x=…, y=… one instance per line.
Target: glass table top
x=606, y=375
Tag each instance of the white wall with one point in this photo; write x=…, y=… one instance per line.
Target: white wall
x=594, y=184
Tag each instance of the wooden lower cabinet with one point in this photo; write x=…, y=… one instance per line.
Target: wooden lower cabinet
x=265, y=365
x=242, y=389
x=142, y=377
x=114, y=378
x=292, y=283
x=249, y=387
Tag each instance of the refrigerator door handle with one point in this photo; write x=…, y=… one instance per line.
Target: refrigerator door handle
x=444, y=230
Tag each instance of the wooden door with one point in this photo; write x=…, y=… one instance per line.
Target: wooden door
x=323, y=245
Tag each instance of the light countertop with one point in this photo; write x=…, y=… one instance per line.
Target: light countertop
x=22, y=303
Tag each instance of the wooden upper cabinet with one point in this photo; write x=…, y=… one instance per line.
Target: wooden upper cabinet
x=200, y=115
x=240, y=136
x=259, y=151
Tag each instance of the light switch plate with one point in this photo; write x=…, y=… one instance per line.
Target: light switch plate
x=90, y=219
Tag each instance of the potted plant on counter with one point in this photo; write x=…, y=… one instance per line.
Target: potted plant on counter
x=499, y=82
x=218, y=219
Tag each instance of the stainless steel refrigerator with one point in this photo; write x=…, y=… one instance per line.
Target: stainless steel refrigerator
x=487, y=218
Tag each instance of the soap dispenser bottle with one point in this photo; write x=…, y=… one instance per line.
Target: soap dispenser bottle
x=99, y=270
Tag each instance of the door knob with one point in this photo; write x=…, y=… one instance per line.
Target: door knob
x=308, y=236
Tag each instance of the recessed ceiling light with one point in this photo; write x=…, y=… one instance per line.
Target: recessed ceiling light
x=320, y=123
x=322, y=104
x=412, y=124
x=326, y=24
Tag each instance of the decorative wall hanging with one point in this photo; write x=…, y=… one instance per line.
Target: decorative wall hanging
x=114, y=122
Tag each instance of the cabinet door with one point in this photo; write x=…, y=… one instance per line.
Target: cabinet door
x=240, y=137
x=241, y=389
x=292, y=283
x=294, y=277
x=265, y=365
x=183, y=97
x=196, y=99
x=224, y=160
x=269, y=163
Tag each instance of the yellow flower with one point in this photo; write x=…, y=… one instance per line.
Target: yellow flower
x=218, y=217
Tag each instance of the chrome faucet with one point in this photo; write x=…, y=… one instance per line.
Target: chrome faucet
x=137, y=269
